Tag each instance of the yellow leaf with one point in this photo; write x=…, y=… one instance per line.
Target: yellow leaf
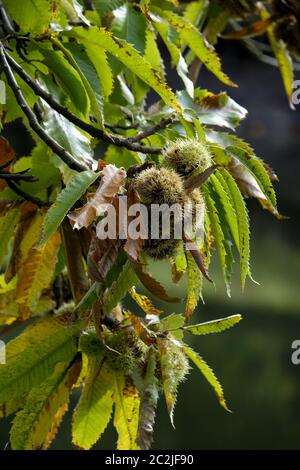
x=126, y=418
x=36, y=275
x=143, y=302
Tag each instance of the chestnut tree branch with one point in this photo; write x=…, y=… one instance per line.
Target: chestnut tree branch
x=34, y=124
x=89, y=128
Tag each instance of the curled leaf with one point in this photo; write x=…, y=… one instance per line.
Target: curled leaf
x=111, y=183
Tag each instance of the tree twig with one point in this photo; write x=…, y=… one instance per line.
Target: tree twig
x=34, y=124
x=6, y=22
x=77, y=275
x=26, y=196
x=17, y=177
x=89, y=128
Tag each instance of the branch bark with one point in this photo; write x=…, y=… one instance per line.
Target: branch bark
x=89, y=128
x=76, y=272
x=34, y=124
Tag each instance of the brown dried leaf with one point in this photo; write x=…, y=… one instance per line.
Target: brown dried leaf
x=143, y=302
x=36, y=275
x=7, y=154
x=111, y=183
x=102, y=255
x=69, y=382
x=152, y=285
x=28, y=213
x=141, y=330
x=6, y=205
x=246, y=182
x=133, y=247
x=250, y=31
x=193, y=249
x=197, y=180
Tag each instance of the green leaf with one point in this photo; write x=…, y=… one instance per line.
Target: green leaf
x=219, y=110
x=98, y=57
x=214, y=326
x=237, y=147
x=42, y=168
x=195, y=282
x=8, y=223
x=173, y=323
x=69, y=137
x=81, y=63
x=121, y=157
x=117, y=291
x=88, y=300
x=283, y=57
x=207, y=373
x=177, y=58
x=220, y=187
x=90, y=79
x=243, y=224
x=194, y=10
x=103, y=6
x=194, y=39
x=130, y=24
x=126, y=417
x=65, y=201
x=178, y=264
x=130, y=57
x=152, y=53
x=33, y=423
x=93, y=411
x=32, y=356
x=222, y=243
x=66, y=77
x=169, y=381
x=258, y=171
x=31, y=15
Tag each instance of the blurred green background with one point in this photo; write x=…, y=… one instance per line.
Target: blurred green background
x=253, y=360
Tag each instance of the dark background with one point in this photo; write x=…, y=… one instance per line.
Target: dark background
x=253, y=360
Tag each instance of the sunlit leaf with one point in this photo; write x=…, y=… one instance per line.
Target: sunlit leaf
x=32, y=424
x=65, y=201
x=126, y=417
x=94, y=408
x=207, y=373
x=214, y=326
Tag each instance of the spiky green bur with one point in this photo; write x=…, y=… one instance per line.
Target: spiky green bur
x=90, y=344
x=187, y=156
x=122, y=349
x=180, y=362
x=177, y=361
x=160, y=186
x=125, y=350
